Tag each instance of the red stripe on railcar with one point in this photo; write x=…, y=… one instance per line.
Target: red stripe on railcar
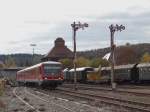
x=54, y=77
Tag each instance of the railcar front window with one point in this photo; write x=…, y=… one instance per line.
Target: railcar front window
x=52, y=69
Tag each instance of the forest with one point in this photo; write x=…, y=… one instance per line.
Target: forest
x=125, y=54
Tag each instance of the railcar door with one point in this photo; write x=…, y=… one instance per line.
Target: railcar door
x=83, y=76
x=134, y=74
x=86, y=72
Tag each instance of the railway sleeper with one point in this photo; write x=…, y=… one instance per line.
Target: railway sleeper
x=111, y=101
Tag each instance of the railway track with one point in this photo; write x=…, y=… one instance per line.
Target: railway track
x=47, y=101
x=119, y=90
x=53, y=103
x=95, y=109
x=33, y=109
x=119, y=102
x=36, y=96
x=106, y=99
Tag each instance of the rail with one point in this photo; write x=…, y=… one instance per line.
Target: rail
x=140, y=106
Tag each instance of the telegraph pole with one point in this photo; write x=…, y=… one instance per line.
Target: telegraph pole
x=112, y=45
x=33, y=45
x=75, y=26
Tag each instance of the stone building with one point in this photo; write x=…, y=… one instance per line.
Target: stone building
x=59, y=51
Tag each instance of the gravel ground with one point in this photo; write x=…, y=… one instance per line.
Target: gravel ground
x=121, y=95
x=132, y=97
x=102, y=106
x=11, y=103
x=73, y=106
x=53, y=101
x=42, y=103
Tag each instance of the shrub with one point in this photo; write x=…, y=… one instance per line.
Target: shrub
x=2, y=86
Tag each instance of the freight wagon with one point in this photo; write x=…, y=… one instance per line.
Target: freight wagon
x=131, y=73
x=81, y=74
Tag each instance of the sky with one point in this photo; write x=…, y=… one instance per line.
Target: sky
x=40, y=22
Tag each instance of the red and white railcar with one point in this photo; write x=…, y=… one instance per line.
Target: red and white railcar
x=44, y=74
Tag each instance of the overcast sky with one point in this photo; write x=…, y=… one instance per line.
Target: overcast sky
x=24, y=22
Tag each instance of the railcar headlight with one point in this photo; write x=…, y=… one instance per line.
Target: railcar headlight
x=45, y=78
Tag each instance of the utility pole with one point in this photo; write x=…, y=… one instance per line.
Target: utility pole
x=75, y=26
x=33, y=45
x=112, y=45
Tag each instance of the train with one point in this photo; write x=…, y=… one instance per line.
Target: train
x=80, y=72
x=131, y=73
x=45, y=74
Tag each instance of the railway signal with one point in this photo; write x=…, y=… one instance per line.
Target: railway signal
x=75, y=26
x=112, y=45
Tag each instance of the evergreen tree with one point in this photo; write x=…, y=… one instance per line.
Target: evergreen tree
x=9, y=62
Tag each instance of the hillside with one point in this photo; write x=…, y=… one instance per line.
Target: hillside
x=123, y=55
x=20, y=59
x=132, y=52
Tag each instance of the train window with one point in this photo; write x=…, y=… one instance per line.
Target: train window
x=52, y=69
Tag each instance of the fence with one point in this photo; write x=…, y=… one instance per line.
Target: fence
x=9, y=74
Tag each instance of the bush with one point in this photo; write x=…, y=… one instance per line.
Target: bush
x=96, y=62
x=2, y=86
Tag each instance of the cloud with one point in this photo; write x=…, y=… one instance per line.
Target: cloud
x=41, y=22
x=97, y=35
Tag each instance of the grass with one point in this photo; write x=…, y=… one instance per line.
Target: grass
x=2, y=86
x=1, y=91
x=2, y=105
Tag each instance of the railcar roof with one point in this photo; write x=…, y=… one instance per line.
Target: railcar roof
x=119, y=67
x=96, y=69
x=124, y=66
x=105, y=68
x=66, y=69
x=39, y=64
x=80, y=69
x=143, y=65
x=50, y=62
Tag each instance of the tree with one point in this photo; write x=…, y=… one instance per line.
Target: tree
x=145, y=57
x=98, y=61
x=28, y=63
x=1, y=64
x=127, y=44
x=67, y=63
x=125, y=55
x=9, y=62
x=82, y=62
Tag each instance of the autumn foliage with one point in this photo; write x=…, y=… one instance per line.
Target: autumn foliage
x=145, y=58
x=125, y=55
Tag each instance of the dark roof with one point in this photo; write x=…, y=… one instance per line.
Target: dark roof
x=59, y=50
